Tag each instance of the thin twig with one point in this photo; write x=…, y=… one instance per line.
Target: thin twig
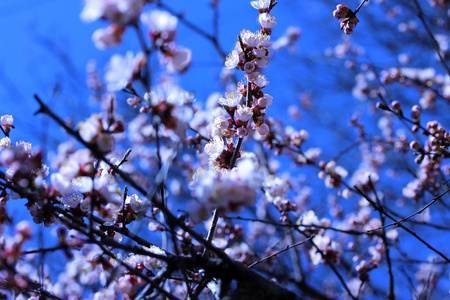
x=401, y=225
x=359, y=7
x=391, y=294
x=281, y=251
x=212, y=228
x=436, y=47
x=412, y=215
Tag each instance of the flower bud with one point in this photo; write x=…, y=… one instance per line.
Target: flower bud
x=133, y=101
x=419, y=159
x=397, y=107
x=415, y=146
x=342, y=11
x=263, y=129
x=415, y=113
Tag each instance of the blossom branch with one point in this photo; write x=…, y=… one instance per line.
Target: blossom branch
x=239, y=271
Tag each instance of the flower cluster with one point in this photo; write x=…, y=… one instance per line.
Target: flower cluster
x=162, y=31
x=121, y=70
x=99, y=132
x=437, y=144
x=349, y=19
x=227, y=190
x=122, y=14
x=308, y=220
x=232, y=187
x=25, y=167
x=249, y=55
x=431, y=85
x=326, y=250
x=170, y=105
x=275, y=190
x=332, y=174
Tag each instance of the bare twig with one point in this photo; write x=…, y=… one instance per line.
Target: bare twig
x=411, y=215
x=436, y=47
x=391, y=294
x=383, y=211
x=279, y=252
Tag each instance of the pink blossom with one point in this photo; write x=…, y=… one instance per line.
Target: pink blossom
x=5, y=143
x=232, y=60
x=342, y=11
x=263, y=129
x=241, y=132
x=244, y=113
x=7, y=119
x=267, y=22
x=261, y=5
x=221, y=122
x=162, y=25
x=180, y=59
x=108, y=37
x=231, y=99
x=122, y=12
x=249, y=67
x=121, y=70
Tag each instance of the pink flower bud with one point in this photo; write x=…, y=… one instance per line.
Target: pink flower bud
x=419, y=159
x=262, y=102
x=397, y=107
x=263, y=129
x=342, y=11
x=133, y=101
x=415, y=112
x=7, y=119
x=415, y=146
